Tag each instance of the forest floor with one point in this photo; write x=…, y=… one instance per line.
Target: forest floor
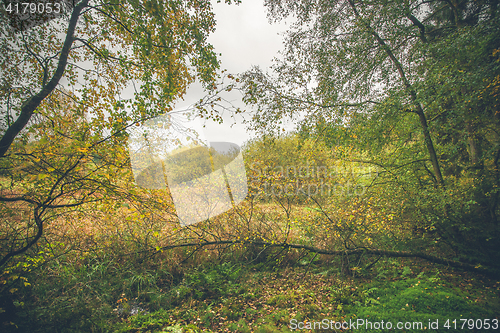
x=314, y=297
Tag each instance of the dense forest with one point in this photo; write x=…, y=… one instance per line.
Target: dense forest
x=379, y=212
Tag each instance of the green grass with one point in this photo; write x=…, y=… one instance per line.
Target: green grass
x=99, y=296
x=266, y=301
x=421, y=299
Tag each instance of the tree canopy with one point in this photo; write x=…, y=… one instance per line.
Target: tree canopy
x=72, y=85
x=412, y=87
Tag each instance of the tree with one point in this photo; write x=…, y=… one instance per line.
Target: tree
x=70, y=88
x=412, y=85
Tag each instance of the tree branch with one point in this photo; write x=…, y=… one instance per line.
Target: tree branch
x=32, y=103
x=387, y=253
x=36, y=237
x=411, y=92
x=420, y=26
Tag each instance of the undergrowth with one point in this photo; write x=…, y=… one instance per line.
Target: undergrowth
x=104, y=294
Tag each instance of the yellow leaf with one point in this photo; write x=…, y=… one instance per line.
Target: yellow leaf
x=42, y=176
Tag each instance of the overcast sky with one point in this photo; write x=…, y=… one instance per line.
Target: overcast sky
x=245, y=38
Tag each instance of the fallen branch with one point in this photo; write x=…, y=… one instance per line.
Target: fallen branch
x=386, y=253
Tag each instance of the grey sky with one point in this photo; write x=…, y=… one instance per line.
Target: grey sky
x=245, y=38
x=244, y=35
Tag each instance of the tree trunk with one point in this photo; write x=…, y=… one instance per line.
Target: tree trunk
x=413, y=96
